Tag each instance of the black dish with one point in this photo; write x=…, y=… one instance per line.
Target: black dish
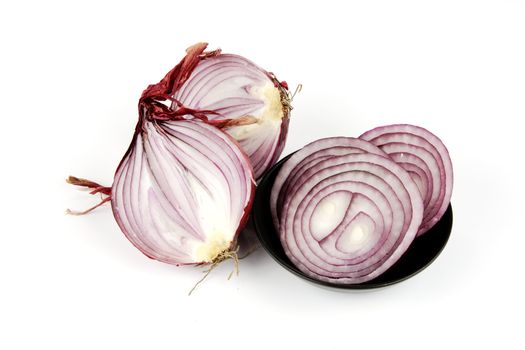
x=423, y=251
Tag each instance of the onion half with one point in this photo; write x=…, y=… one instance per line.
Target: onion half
x=184, y=189
x=183, y=192
x=427, y=160
x=347, y=213
x=234, y=94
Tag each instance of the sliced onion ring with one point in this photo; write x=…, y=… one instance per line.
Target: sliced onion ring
x=426, y=158
x=347, y=218
x=308, y=156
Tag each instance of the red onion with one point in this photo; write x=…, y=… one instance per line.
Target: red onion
x=345, y=218
x=184, y=189
x=183, y=192
x=427, y=160
x=246, y=101
x=308, y=156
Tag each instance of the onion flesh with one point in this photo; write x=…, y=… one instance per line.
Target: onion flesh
x=176, y=197
x=308, y=156
x=249, y=103
x=184, y=189
x=345, y=213
x=426, y=158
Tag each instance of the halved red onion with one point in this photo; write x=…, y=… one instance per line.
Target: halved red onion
x=183, y=191
x=427, y=160
x=345, y=218
x=235, y=94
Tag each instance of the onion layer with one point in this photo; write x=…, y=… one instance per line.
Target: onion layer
x=247, y=101
x=309, y=156
x=183, y=191
x=427, y=160
x=347, y=213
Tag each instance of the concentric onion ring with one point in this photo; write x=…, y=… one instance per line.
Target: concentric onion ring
x=347, y=218
x=427, y=160
x=308, y=156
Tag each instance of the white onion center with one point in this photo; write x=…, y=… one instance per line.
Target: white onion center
x=329, y=213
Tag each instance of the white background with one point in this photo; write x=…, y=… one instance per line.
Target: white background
x=70, y=77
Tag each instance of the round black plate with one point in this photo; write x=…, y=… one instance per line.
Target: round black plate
x=421, y=253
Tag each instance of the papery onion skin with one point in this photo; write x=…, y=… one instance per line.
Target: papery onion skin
x=183, y=191
x=356, y=171
x=420, y=152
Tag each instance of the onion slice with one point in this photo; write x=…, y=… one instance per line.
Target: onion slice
x=308, y=156
x=427, y=160
x=182, y=192
x=346, y=211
